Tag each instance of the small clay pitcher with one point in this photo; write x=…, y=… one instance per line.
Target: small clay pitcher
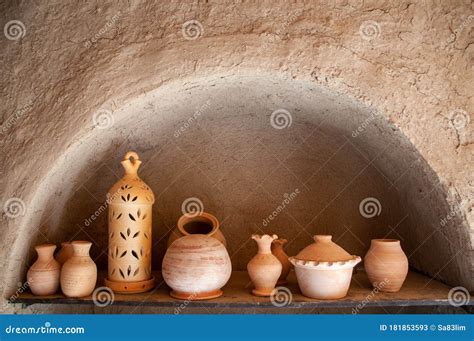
x=386, y=265
x=64, y=253
x=279, y=252
x=264, y=268
x=43, y=276
x=79, y=273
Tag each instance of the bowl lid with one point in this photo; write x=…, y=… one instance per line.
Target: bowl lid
x=323, y=250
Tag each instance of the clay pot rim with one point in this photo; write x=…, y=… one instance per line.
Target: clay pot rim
x=337, y=265
x=81, y=242
x=185, y=219
x=44, y=246
x=272, y=237
x=385, y=241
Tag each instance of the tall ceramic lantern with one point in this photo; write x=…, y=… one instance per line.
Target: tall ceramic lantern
x=130, y=208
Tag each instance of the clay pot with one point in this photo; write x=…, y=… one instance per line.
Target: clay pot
x=130, y=222
x=202, y=223
x=43, y=276
x=324, y=269
x=264, y=268
x=279, y=252
x=386, y=264
x=196, y=267
x=79, y=273
x=64, y=253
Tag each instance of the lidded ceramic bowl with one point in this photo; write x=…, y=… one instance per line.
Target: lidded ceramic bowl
x=324, y=269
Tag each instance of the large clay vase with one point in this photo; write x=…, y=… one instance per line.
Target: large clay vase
x=130, y=226
x=196, y=267
x=43, y=276
x=64, y=253
x=79, y=273
x=324, y=269
x=279, y=252
x=200, y=223
x=264, y=268
x=386, y=265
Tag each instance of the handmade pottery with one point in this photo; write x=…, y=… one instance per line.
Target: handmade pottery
x=196, y=267
x=43, y=276
x=64, y=253
x=130, y=210
x=279, y=252
x=386, y=264
x=201, y=223
x=324, y=269
x=264, y=268
x=79, y=273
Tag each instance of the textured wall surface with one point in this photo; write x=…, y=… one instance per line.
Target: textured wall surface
x=379, y=95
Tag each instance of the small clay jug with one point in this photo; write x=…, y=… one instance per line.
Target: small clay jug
x=386, y=264
x=264, y=268
x=279, y=252
x=79, y=273
x=64, y=253
x=43, y=276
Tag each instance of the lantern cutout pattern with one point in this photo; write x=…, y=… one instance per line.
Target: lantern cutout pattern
x=130, y=226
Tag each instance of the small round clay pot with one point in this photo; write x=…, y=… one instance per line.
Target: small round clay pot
x=43, y=276
x=79, y=273
x=264, y=268
x=386, y=264
x=64, y=253
x=202, y=223
x=279, y=252
x=196, y=267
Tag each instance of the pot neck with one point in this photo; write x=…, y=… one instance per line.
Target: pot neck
x=385, y=243
x=45, y=252
x=264, y=243
x=81, y=248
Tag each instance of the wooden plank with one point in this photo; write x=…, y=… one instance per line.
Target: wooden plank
x=418, y=290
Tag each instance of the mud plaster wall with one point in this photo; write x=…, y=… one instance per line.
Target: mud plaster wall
x=414, y=155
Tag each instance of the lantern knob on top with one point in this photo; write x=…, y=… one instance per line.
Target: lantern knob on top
x=131, y=162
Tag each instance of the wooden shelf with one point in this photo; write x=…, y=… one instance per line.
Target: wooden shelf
x=418, y=290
